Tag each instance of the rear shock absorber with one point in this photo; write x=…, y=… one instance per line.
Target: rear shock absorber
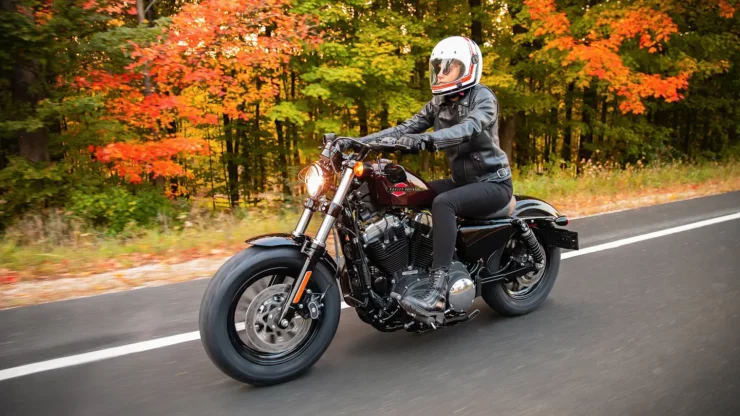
x=532, y=244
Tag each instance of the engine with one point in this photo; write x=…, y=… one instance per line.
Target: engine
x=395, y=244
x=400, y=250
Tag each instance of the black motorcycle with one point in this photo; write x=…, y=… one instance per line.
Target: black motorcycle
x=272, y=310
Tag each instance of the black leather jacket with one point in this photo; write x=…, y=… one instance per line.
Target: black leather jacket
x=467, y=130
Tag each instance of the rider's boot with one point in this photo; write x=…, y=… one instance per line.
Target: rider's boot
x=430, y=302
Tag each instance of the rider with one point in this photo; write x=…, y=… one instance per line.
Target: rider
x=464, y=115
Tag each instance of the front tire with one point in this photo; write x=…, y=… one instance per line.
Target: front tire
x=507, y=302
x=250, y=359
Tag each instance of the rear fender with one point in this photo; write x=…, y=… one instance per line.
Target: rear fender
x=542, y=214
x=528, y=206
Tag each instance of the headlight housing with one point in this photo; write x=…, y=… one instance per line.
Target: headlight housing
x=315, y=179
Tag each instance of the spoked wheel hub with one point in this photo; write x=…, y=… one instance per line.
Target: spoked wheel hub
x=261, y=324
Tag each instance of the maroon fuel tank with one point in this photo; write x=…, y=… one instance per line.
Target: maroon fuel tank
x=394, y=185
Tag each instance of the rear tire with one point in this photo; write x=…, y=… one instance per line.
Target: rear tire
x=501, y=300
x=218, y=331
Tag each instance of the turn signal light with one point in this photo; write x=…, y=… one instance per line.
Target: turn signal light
x=562, y=221
x=359, y=169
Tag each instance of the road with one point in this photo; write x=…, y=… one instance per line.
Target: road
x=648, y=328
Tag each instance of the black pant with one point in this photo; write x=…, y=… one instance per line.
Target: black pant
x=471, y=200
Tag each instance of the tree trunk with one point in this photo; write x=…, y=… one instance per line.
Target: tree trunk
x=589, y=109
x=231, y=166
x=688, y=135
x=257, y=143
x=292, y=127
x=552, y=136
x=604, y=112
x=362, y=118
x=32, y=144
x=384, y=124
x=282, y=158
x=507, y=131
x=141, y=14
x=26, y=92
x=568, y=119
x=476, y=28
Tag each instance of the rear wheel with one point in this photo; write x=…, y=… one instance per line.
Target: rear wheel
x=526, y=293
x=238, y=317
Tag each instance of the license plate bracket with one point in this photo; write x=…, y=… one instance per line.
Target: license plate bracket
x=563, y=238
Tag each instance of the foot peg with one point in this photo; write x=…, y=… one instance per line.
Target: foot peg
x=461, y=319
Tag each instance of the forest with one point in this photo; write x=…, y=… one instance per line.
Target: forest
x=117, y=110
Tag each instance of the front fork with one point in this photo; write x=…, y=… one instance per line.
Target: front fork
x=314, y=248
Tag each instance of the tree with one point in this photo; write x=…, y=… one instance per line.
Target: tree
x=206, y=67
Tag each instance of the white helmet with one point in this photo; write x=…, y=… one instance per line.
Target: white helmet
x=456, y=53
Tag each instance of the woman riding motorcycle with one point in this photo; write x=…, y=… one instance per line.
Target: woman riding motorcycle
x=464, y=115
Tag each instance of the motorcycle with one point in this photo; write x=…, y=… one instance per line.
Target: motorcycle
x=271, y=311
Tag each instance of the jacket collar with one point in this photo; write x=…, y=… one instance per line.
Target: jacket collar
x=444, y=100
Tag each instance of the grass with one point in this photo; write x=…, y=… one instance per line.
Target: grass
x=604, y=187
x=53, y=246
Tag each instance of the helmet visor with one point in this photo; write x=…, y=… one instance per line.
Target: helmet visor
x=443, y=71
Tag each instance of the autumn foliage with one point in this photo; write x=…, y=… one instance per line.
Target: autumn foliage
x=212, y=61
x=130, y=160
x=598, y=51
x=110, y=103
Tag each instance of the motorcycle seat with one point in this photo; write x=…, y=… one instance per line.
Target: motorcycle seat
x=504, y=212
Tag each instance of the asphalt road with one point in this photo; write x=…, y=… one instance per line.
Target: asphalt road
x=647, y=328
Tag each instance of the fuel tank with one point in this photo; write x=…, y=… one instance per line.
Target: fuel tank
x=394, y=185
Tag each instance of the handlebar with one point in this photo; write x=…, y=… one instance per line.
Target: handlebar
x=376, y=145
x=387, y=146
x=331, y=139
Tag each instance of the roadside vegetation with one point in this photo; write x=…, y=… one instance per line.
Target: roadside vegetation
x=56, y=243
x=145, y=131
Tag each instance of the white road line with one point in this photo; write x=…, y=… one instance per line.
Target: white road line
x=88, y=357
x=649, y=236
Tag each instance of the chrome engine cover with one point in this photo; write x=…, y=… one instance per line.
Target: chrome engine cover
x=461, y=288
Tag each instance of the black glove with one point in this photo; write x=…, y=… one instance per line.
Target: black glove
x=410, y=141
x=343, y=145
x=417, y=142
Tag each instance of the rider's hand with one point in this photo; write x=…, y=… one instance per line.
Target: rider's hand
x=417, y=142
x=409, y=141
x=342, y=145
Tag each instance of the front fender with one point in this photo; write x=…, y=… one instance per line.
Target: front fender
x=283, y=240
x=275, y=240
x=528, y=206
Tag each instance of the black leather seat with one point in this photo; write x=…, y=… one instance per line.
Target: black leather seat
x=504, y=212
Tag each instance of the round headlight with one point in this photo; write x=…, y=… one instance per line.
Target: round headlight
x=314, y=180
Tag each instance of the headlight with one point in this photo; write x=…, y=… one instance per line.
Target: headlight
x=314, y=180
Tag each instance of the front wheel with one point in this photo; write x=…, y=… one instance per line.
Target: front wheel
x=237, y=317
x=526, y=293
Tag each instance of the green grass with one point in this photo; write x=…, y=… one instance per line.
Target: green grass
x=220, y=235
x=52, y=246
x=598, y=181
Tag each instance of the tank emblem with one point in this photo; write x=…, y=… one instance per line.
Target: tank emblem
x=401, y=189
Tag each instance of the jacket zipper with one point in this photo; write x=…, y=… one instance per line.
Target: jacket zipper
x=477, y=159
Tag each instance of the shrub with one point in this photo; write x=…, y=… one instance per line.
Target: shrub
x=25, y=186
x=115, y=209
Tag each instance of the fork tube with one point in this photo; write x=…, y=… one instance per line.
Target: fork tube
x=316, y=249
x=336, y=202
x=300, y=229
